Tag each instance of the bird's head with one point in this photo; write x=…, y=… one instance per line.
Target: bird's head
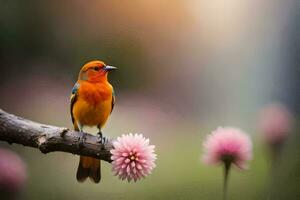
x=95, y=71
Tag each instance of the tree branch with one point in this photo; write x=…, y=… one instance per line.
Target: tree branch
x=47, y=138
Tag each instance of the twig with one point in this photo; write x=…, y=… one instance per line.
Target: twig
x=47, y=138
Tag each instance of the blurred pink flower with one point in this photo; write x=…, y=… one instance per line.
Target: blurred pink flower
x=275, y=123
x=12, y=172
x=132, y=157
x=229, y=146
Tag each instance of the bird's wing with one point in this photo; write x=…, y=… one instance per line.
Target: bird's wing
x=113, y=100
x=74, y=99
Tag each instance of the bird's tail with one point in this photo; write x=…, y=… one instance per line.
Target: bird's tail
x=88, y=167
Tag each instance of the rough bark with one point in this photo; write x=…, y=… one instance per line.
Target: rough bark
x=47, y=138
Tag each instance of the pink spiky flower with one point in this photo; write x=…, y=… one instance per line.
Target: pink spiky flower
x=275, y=124
x=132, y=157
x=227, y=146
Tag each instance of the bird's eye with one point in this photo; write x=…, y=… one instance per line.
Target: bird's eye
x=96, y=68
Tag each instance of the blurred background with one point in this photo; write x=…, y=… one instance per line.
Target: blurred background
x=185, y=68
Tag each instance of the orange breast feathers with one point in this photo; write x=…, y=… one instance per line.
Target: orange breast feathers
x=93, y=104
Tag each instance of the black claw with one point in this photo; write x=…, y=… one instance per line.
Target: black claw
x=100, y=134
x=102, y=139
x=99, y=137
x=82, y=139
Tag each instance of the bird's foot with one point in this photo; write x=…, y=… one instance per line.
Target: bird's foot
x=82, y=139
x=101, y=138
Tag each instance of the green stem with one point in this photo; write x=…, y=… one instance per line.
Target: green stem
x=226, y=177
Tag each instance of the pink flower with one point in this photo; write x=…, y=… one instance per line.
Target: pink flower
x=229, y=146
x=132, y=157
x=275, y=123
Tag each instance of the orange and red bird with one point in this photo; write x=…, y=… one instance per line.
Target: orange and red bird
x=92, y=101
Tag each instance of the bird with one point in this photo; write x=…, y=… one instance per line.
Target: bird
x=92, y=102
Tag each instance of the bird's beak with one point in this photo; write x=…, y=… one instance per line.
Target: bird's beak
x=109, y=68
